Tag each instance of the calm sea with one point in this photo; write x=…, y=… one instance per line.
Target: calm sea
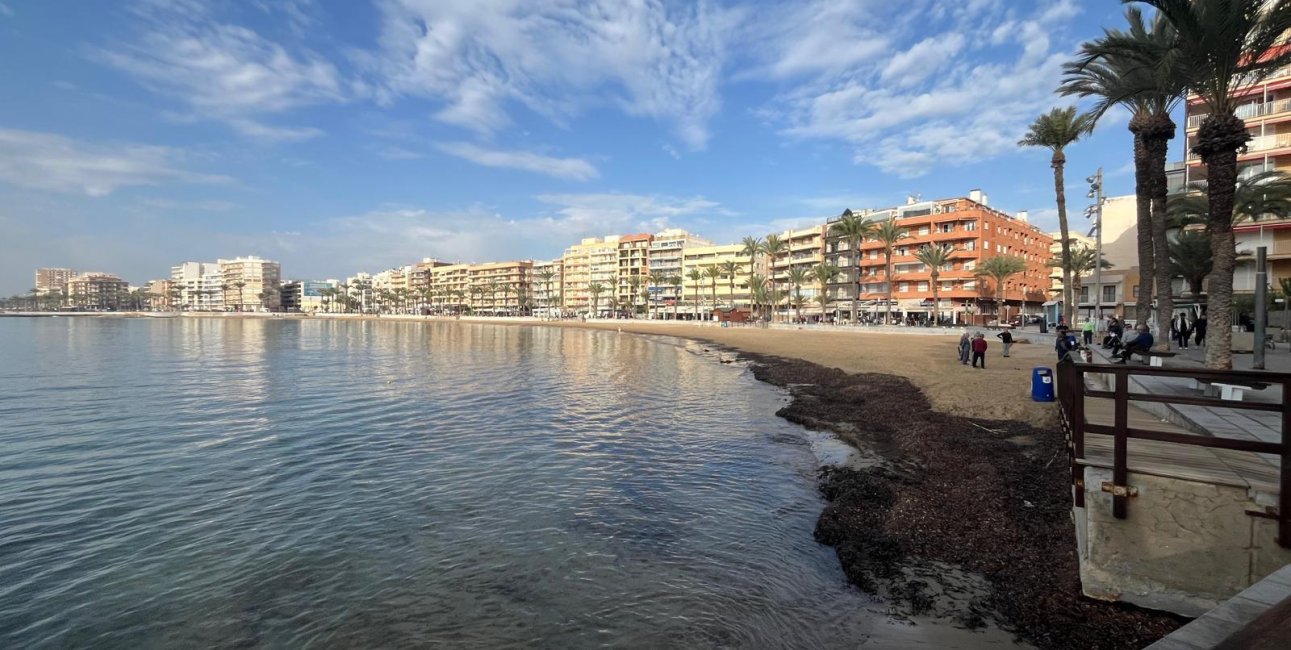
x=235, y=483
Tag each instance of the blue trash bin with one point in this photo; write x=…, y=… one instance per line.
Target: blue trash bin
x=1042, y=384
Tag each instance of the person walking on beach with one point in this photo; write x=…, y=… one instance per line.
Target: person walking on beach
x=965, y=347
x=1088, y=332
x=979, y=350
x=1006, y=337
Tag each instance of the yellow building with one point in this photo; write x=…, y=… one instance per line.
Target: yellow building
x=501, y=288
x=250, y=283
x=732, y=290
x=806, y=249
x=666, y=249
x=594, y=260
x=548, y=281
x=450, y=288
x=633, y=271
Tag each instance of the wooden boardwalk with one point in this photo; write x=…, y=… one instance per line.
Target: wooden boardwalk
x=1257, y=472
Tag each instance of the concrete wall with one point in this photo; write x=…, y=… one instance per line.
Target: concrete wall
x=1184, y=547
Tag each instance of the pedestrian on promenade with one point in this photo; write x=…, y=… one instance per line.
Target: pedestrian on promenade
x=979, y=350
x=965, y=347
x=1088, y=331
x=1181, y=331
x=1006, y=337
x=1065, y=343
x=1139, y=344
x=1199, y=329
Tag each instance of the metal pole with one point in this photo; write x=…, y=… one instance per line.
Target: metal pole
x=1098, y=248
x=1261, y=306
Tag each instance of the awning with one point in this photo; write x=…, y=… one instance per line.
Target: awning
x=1050, y=303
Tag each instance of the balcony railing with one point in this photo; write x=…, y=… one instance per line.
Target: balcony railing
x=1260, y=143
x=1248, y=111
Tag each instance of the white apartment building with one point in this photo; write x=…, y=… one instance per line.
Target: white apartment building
x=200, y=286
x=547, y=292
x=666, y=259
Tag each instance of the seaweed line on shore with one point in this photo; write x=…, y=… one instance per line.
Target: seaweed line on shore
x=954, y=498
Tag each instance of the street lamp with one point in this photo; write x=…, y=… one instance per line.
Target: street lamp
x=1095, y=212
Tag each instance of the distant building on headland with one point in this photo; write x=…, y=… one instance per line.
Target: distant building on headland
x=52, y=280
x=306, y=296
x=95, y=290
x=200, y=285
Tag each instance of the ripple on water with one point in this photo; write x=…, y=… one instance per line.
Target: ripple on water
x=207, y=482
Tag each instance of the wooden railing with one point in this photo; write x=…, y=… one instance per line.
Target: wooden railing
x=1072, y=393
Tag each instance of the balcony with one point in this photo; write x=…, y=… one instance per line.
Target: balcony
x=1258, y=144
x=1248, y=111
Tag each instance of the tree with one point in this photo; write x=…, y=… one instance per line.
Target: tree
x=634, y=286
x=595, y=290
x=757, y=291
x=714, y=273
x=1056, y=130
x=655, y=280
x=546, y=276
x=1221, y=48
x=675, y=282
x=853, y=229
x=935, y=257
x=1150, y=93
x=888, y=233
x=1192, y=258
x=1083, y=261
x=1000, y=268
x=730, y=270
x=773, y=247
x=696, y=276
x=240, y=285
x=796, y=277
x=824, y=274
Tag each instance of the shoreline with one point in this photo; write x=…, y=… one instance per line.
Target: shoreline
x=899, y=527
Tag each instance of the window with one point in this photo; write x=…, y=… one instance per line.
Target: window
x=970, y=225
x=923, y=230
x=946, y=227
x=970, y=265
x=1109, y=293
x=970, y=245
x=1136, y=292
x=922, y=286
x=1084, y=294
x=903, y=287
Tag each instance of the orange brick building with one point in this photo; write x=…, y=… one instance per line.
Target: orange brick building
x=976, y=232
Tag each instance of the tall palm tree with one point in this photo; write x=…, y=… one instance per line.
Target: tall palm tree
x=546, y=276
x=1000, y=268
x=714, y=273
x=853, y=229
x=935, y=257
x=730, y=269
x=696, y=276
x=757, y=291
x=1150, y=93
x=825, y=274
x=773, y=247
x=240, y=285
x=1192, y=258
x=796, y=277
x=595, y=290
x=1055, y=131
x=752, y=247
x=674, y=281
x=1083, y=261
x=1221, y=48
x=634, y=286
x=888, y=233
x=655, y=280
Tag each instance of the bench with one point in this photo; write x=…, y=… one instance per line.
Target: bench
x=1155, y=357
x=1228, y=390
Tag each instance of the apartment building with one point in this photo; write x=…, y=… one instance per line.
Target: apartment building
x=698, y=299
x=1055, y=252
x=501, y=288
x=96, y=290
x=548, y=281
x=450, y=288
x=975, y=232
x=250, y=283
x=594, y=260
x=666, y=250
x=805, y=250
x=163, y=295
x=306, y=296
x=200, y=284
x=419, y=280
x=631, y=278
x=52, y=280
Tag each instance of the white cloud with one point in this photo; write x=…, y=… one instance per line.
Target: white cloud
x=203, y=206
x=960, y=90
x=47, y=161
x=608, y=213
x=570, y=168
x=557, y=58
x=225, y=72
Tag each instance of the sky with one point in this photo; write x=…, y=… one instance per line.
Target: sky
x=338, y=136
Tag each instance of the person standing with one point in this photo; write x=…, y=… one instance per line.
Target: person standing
x=1006, y=337
x=1088, y=331
x=979, y=350
x=1182, y=331
x=965, y=347
x=1199, y=329
x=1064, y=344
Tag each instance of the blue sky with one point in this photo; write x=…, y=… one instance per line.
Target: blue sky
x=339, y=136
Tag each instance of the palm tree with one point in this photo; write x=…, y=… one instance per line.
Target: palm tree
x=696, y=276
x=757, y=291
x=935, y=257
x=714, y=273
x=1150, y=93
x=853, y=229
x=1221, y=48
x=1000, y=268
x=655, y=279
x=240, y=284
x=595, y=290
x=730, y=269
x=1192, y=258
x=773, y=247
x=675, y=282
x=1263, y=195
x=634, y=286
x=797, y=276
x=546, y=276
x=824, y=274
x=1056, y=130
x=888, y=233
x=1083, y=261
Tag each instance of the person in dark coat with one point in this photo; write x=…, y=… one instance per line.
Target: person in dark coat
x=1181, y=331
x=979, y=350
x=1199, y=329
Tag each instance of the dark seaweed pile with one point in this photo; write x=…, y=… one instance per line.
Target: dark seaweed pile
x=989, y=497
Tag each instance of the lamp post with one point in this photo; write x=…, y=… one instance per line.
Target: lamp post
x=1095, y=211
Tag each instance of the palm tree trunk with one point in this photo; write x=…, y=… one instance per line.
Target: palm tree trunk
x=1156, y=140
x=936, y=303
x=1143, y=182
x=856, y=285
x=1058, y=161
x=888, y=272
x=1218, y=140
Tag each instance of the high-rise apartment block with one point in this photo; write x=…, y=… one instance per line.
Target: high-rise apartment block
x=200, y=286
x=548, y=281
x=592, y=261
x=52, y=280
x=250, y=284
x=666, y=260
x=633, y=270
x=95, y=290
x=716, y=286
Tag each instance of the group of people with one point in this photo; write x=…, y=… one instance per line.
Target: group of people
x=974, y=347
